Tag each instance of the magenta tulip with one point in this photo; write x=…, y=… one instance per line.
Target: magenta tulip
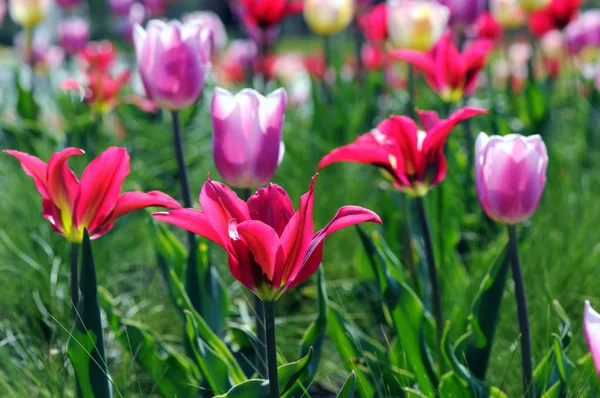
x=510, y=174
x=73, y=34
x=591, y=330
x=584, y=31
x=173, y=60
x=271, y=247
x=247, y=145
x=464, y=12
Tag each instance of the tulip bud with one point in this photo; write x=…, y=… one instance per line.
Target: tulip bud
x=73, y=35
x=247, y=145
x=508, y=13
x=28, y=13
x=510, y=175
x=173, y=60
x=416, y=25
x=328, y=17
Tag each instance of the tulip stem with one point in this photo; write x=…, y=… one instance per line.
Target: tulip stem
x=411, y=91
x=406, y=243
x=436, y=291
x=74, y=278
x=526, y=353
x=191, y=276
x=271, y=348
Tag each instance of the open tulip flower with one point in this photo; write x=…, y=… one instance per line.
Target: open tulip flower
x=173, y=59
x=414, y=158
x=448, y=72
x=591, y=330
x=271, y=247
x=556, y=16
x=94, y=202
x=98, y=56
x=510, y=175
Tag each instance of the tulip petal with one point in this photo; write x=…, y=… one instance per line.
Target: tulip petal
x=404, y=131
x=367, y=149
x=33, y=167
x=221, y=204
x=436, y=136
x=419, y=59
x=263, y=242
x=591, y=330
x=345, y=217
x=194, y=221
x=272, y=206
x=63, y=186
x=429, y=119
x=100, y=187
x=131, y=201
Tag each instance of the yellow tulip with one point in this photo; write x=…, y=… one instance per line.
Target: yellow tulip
x=509, y=13
x=328, y=17
x=28, y=13
x=416, y=25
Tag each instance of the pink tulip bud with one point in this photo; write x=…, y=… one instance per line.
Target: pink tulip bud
x=173, y=60
x=73, y=35
x=247, y=145
x=510, y=175
x=591, y=330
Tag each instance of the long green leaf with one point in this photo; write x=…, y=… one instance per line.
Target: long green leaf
x=349, y=386
x=86, y=344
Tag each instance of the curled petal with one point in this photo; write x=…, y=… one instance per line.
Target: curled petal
x=263, y=242
x=33, y=167
x=221, y=204
x=63, y=187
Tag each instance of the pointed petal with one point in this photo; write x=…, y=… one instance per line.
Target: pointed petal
x=194, y=221
x=131, y=201
x=366, y=150
x=436, y=137
x=221, y=204
x=429, y=119
x=345, y=217
x=421, y=60
x=404, y=131
x=272, y=206
x=63, y=186
x=263, y=242
x=100, y=187
x=33, y=167
x=591, y=330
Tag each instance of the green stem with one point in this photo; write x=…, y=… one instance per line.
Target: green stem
x=523, y=318
x=411, y=92
x=405, y=240
x=29, y=53
x=74, y=278
x=436, y=291
x=271, y=349
x=191, y=276
x=261, y=335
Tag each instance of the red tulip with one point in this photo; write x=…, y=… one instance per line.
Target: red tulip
x=414, y=158
x=373, y=23
x=94, y=202
x=270, y=12
x=556, y=16
x=448, y=72
x=486, y=27
x=271, y=248
x=99, y=56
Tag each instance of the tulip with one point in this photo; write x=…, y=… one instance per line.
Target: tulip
x=464, y=12
x=373, y=58
x=486, y=27
x=271, y=248
x=508, y=13
x=121, y=7
x=414, y=158
x=94, y=202
x=328, y=17
x=136, y=16
x=73, y=34
x=247, y=146
x=374, y=23
x=448, y=72
x=101, y=90
x=266, y=13
x=211, y=21
x=28, y=13
x=510, y=174
x=68, y=4
x=416, y=25
x=98, y=56
x=534, y=5
x=591, y=330
x=173, y=60
x=583, y=31
x=554, y=17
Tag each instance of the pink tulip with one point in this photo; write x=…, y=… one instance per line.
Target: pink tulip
x=584, y=31
x=271, y=248
x=247, y=145
x=173, y=60
x=591, y=330
x=211, y=21
x=73, y=34
x=68, y=4
x=94, y=202
x=120, y=7
x=510, y=175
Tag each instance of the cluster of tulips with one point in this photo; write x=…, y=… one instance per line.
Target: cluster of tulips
x=270, y=246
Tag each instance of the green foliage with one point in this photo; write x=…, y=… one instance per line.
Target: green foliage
x=349, y=387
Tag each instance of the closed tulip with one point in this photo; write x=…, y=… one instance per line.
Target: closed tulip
x=92, y=203
x=591, y=330
x=73, y=34
x=271, y=248
x=173, y=60
x=510, y=175
x=328, y=17
x=247, y=146
x=556, y=16
x=28, y=13
x=416, y=25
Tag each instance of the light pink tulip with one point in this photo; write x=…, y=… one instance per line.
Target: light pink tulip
x=173, y=59
x=211, y=21
x=247, y=145
x=510, y=175
x=591, y=330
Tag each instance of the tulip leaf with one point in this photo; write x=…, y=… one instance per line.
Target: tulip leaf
x=174, y=374
x=485, y=312
x=79, y=348
x=258, y=388
x=349, y=386
x=27, y=107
